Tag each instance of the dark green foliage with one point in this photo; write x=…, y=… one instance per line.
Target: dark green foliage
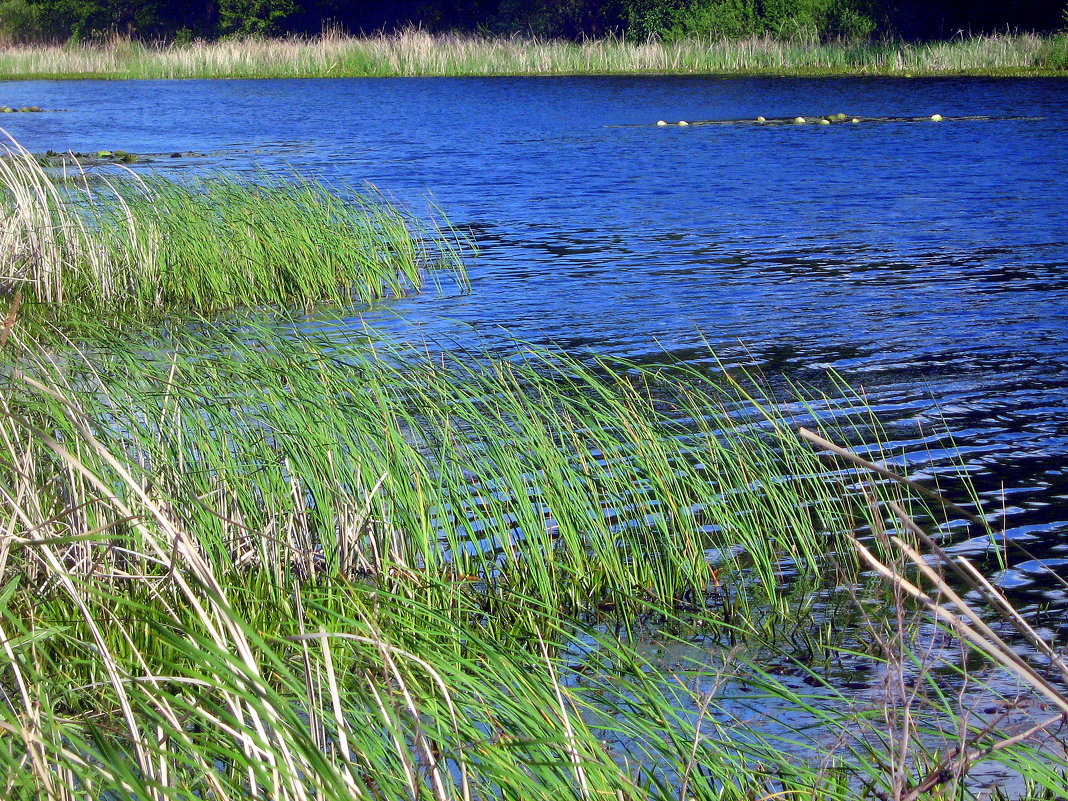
x=88, y=19
x=19, y=22
x=942, y=19
x=1058, y=50
x=568, y=19
x=256, y=17
x=783, y=19
x=723, y=18
x=35, y=20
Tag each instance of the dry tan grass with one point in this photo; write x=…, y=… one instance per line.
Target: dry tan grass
x=416, y=52
x=44, y=236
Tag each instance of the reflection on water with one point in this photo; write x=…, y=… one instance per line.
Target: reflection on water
x=926, y=263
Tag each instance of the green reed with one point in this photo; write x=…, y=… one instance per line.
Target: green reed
x=337, y=690
x=277, y=564
x=582, y=484
x=126, y=246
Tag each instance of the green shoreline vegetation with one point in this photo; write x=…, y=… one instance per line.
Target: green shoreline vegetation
x=347, y=38
x=419, y=53
x=252, y=561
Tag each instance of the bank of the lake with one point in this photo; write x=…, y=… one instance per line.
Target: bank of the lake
x=418, y=53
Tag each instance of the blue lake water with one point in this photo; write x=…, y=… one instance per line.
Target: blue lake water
x=927, y=262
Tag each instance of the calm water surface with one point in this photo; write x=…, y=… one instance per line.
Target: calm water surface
x=926, y=262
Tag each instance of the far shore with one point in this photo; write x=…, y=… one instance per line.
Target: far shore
x=416, y=53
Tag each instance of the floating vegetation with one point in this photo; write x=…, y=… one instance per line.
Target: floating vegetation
x=78, y=160
x=51, y=158
x=23, y=109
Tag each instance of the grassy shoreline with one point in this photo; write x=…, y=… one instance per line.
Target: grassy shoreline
x=416, y=53
x=244, y=561
x=244, y=565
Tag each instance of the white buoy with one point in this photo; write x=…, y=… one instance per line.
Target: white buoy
x=683, y=122
x=936, y=117
x=799, y=120
x=855, y=120
x=761, y=119
x=825, y=122
x=661, y=122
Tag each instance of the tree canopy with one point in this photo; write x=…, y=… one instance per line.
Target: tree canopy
x=572, y=19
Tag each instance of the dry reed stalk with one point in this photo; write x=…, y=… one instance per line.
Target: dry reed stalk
x=12, y=315
x=827, y=445
x=389, y=654
x=963, y=620
x=46, y=234
x=201, y=589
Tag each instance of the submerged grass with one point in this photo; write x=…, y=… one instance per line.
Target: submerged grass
x=415, y=52
x=126, y=246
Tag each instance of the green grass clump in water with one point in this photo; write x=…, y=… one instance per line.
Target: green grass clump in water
x=130, y=247
x=269, y=564
x=224, y=242
x=545, y=477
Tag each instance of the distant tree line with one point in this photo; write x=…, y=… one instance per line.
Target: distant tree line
x=178, y=20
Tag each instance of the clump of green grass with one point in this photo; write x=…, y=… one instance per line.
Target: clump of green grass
x=267, y=563
x=585, y=486
x=416, y=52
x=132, y=246
x=354, y=693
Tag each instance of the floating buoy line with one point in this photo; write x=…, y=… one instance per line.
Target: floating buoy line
x=829, y=119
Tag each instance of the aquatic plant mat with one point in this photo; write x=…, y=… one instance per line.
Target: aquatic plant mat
x=416, y=53
x=271, y=563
